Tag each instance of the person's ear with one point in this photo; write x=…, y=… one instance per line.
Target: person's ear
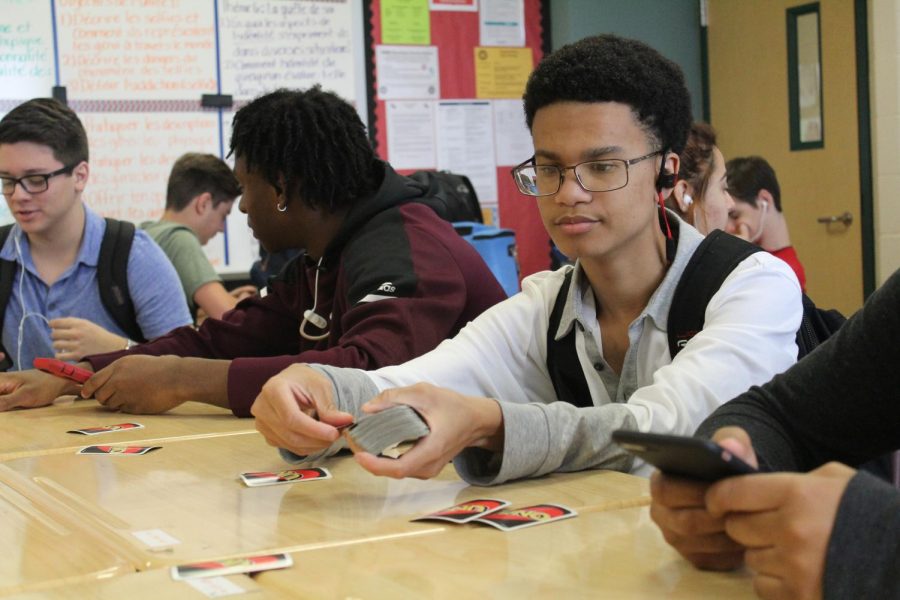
x=202, y=203
x=670, y=173
x=683, y=197
x=81, y=173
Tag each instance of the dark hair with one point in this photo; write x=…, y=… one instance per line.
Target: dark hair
x=607, y=68
x=311, y=142
x=748, y=175
x=194, y=174
x=50, y=123
x=697, y=159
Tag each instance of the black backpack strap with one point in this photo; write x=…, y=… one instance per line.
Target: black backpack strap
x=112, y=276
x=7, y=275
x=713, y=260
x=817, y=325
x=563, y=365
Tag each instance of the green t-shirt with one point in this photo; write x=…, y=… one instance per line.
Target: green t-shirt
x=184, y=250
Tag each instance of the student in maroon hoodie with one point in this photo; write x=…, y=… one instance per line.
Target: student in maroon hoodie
x=383, y=278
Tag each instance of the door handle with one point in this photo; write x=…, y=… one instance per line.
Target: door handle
x=845, y=218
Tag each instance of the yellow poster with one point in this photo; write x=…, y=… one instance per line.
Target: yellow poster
x=501, y=72
x=405, y=22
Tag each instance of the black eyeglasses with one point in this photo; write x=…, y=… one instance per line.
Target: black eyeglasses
x=34, y=183
x=603, y=175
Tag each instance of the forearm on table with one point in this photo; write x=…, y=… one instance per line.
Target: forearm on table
x=202, y=380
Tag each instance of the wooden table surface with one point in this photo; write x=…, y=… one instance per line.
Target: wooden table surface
x=605, y=554
x=42, y=543
x=69, y=522
x=38, y=431
x=615, y=554
x=190, y=490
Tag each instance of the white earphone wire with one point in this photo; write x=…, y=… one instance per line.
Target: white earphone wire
x=17, y=234
x=310, y=315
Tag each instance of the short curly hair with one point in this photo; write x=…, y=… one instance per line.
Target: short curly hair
x=608, y=68
x=312, y=142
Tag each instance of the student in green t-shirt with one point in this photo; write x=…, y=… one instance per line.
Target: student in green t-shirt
x=199, y=197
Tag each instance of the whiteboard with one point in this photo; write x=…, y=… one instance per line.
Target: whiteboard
x=134, y=71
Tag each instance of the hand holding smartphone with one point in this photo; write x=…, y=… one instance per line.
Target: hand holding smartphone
x=682, y=456
x=59, y=368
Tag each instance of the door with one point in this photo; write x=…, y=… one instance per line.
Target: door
x=749, y=107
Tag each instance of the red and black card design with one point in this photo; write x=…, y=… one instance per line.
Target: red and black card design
x=118, y=450
x=466, y=511
x=260, y=478
x=519, y=518
x=248, y=564
x=106, y=428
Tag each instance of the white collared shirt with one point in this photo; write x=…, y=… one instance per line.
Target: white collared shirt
x=748, y=337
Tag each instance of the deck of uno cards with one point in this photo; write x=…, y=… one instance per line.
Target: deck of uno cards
x=118, y=450
x=106, y=428
x=215, y=568
x=519, y=518
x=466, y=511
x=287, y=476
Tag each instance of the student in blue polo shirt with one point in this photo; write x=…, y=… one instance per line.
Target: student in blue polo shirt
x=55, y=306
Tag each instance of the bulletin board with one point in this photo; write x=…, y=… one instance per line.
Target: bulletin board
x=135, y=72
x=447, y=82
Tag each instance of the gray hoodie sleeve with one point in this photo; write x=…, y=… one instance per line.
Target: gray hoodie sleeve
x=570, y=439
x=351, y=388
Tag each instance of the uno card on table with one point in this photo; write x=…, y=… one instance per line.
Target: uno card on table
x=519, y=518
x=466, y=511
x=249, y=564
x=287, y=476
x=106, y=428
x=118, y=450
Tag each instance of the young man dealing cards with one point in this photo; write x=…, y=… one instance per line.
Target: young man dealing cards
x=608, y=117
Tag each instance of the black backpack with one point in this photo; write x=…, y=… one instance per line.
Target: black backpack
x=112, y=280
x=713, y=260
x=451, y=196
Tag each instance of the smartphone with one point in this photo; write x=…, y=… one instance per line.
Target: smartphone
x=682, y=456
x=54, y=366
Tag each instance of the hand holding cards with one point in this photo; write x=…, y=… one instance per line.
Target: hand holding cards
x=381, y=431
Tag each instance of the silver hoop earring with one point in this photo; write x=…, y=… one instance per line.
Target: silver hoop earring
x=281, y=207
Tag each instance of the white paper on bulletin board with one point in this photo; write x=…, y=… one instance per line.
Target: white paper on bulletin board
x=111, y=51
x=271, y=44
x=466, y=145
x=26, y=49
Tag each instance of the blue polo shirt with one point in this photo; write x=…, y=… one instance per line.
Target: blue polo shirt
x=154, y=286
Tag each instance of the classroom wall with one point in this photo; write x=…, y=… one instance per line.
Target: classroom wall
x=884, y=73
x=135, y=70
x=748, y=74
x=670, y=26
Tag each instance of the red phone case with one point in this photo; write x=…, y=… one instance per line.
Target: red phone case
x=59, y=368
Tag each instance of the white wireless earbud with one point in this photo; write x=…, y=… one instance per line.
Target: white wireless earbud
x=688, y=200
